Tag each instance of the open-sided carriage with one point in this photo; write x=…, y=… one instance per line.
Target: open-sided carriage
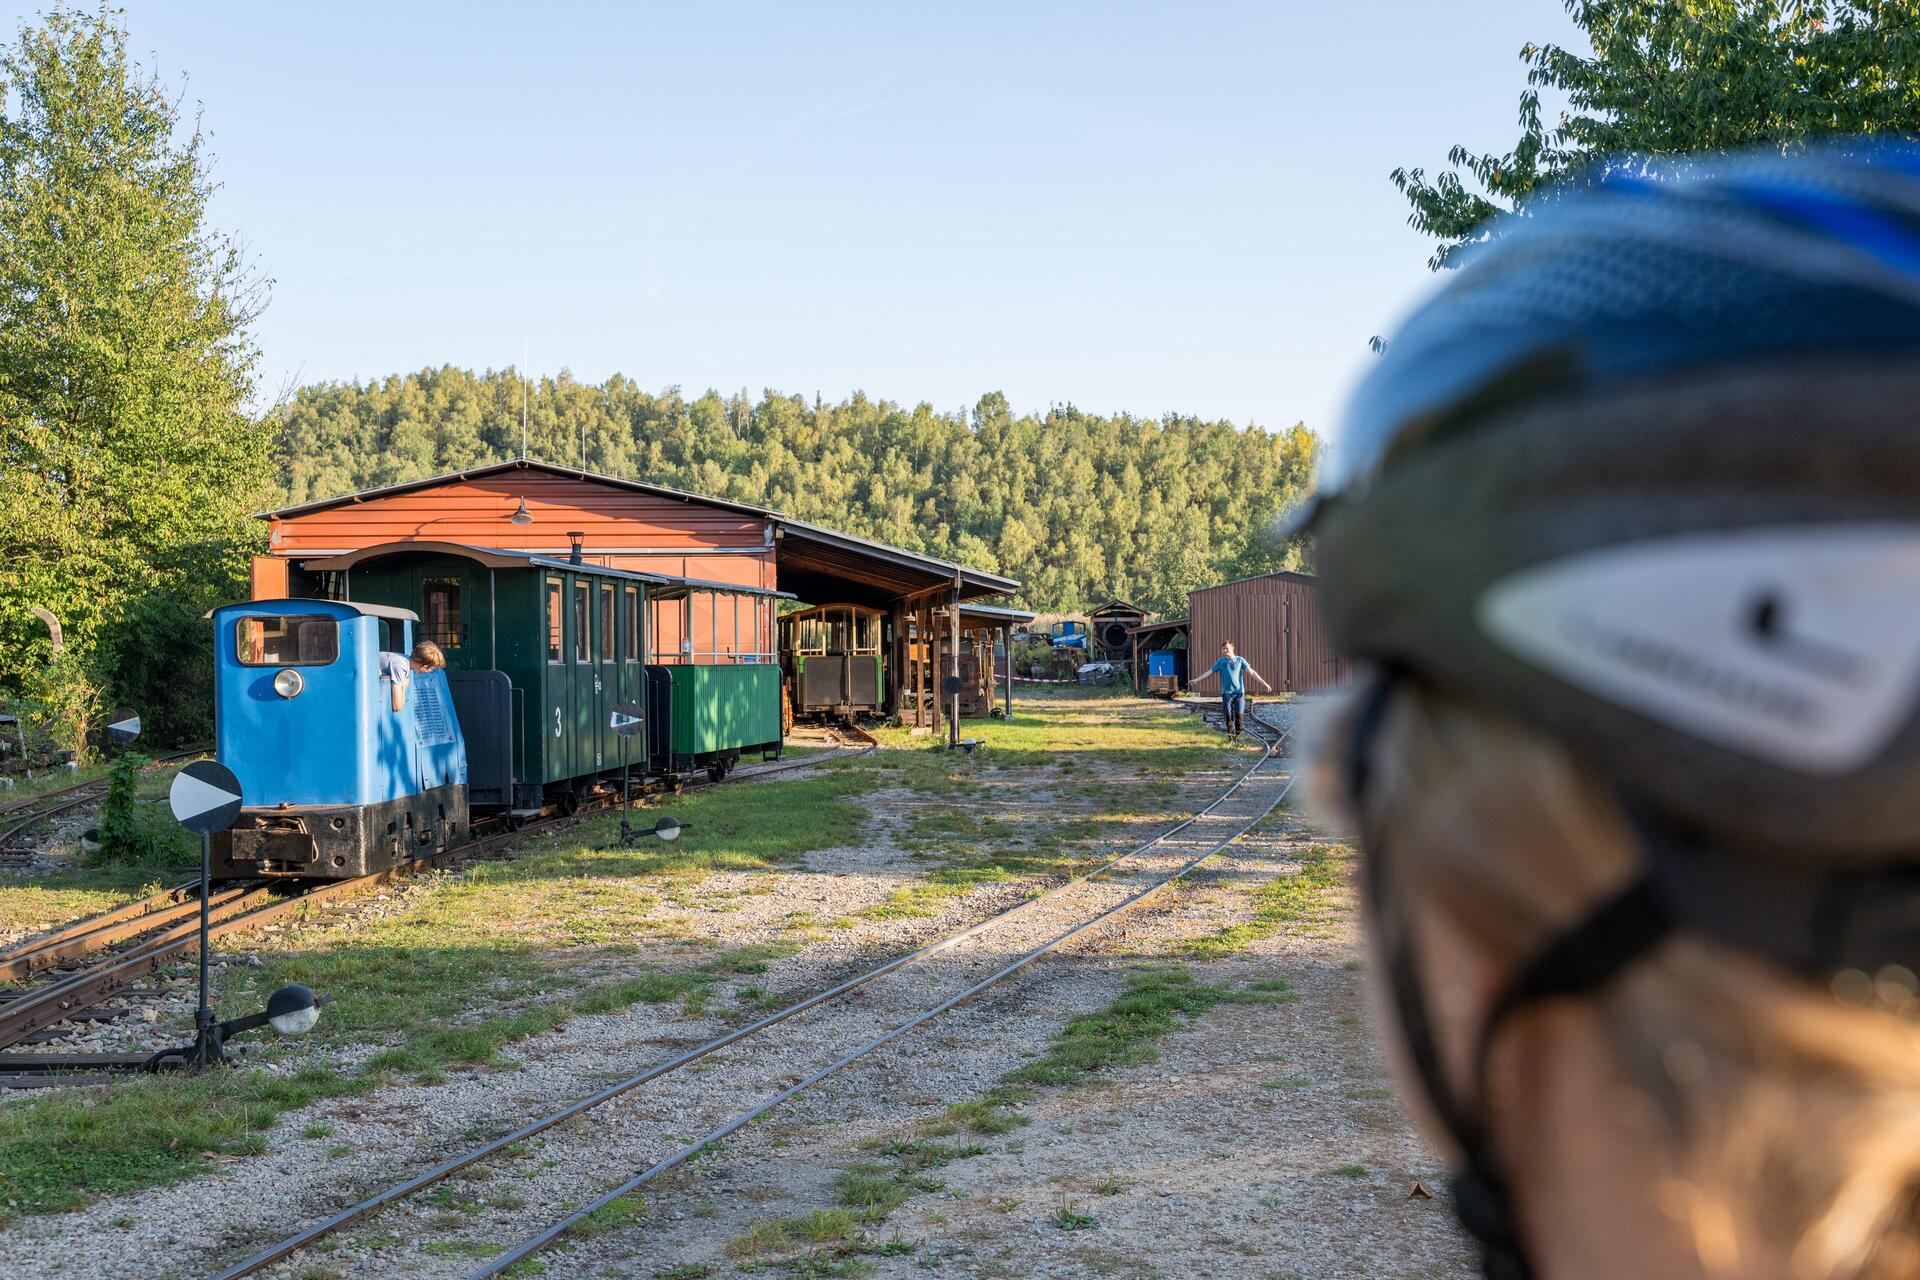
x=834, y=657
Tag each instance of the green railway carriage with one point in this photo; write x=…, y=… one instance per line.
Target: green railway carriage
x=539, y=653
x=835, y=660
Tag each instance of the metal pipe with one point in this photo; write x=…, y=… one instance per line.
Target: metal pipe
x=203, y=1016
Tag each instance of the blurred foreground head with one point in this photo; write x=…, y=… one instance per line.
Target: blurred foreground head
x=1627, y=522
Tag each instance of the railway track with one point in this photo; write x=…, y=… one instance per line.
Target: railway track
x=848, y=734
x=20, y=815
x=1205, y=835
x=148, y=935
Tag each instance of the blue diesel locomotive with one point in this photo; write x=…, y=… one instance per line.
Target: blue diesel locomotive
x=540, y=652
x=302, y=718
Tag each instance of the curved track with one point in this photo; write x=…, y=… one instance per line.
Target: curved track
x=1215, y=827
x=165, y=926
x=49, y=804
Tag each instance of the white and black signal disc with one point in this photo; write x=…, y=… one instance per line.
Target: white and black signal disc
x=123, y=726
x=629, y=718
x=205, y=797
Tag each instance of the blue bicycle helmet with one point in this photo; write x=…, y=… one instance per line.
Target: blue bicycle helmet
x=1646, y=473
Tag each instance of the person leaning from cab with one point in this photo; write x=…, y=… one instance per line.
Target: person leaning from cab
x=1626, y=524
x=398, y=669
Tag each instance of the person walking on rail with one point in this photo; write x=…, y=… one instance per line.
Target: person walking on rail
x=1231, y=670
x=1627, y=522
x=397, y=669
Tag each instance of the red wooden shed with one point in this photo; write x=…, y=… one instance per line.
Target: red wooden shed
x=1274, y=623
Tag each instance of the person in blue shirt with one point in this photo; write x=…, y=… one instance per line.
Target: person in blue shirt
x=1232, y=670
x=398, y=668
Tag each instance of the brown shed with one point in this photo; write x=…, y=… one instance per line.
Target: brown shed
x=1274, y=623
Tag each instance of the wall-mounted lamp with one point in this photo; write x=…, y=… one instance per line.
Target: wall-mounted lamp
x=522, y=516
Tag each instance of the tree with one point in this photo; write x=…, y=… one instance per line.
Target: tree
x=1080, y=507
x=1674, y=77
x=127, y=464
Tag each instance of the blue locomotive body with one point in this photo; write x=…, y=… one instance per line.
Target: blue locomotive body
x=305, y=721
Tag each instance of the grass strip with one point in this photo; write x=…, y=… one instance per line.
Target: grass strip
x=1154, y=1002
x=1302, y=896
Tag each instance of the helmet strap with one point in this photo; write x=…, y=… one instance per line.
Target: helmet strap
x=1581, y=959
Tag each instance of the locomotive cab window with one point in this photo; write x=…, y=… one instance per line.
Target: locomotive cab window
x=440, y=620
x=287, y=640
x=582, y=625
x=555, y=653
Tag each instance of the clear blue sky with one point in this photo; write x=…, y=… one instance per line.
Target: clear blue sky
x=1144, y=207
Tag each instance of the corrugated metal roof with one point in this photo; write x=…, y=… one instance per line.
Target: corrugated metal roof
x=997, y=612
x=1282, y=575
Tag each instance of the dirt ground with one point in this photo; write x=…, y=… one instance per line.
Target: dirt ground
x=1262, y=1141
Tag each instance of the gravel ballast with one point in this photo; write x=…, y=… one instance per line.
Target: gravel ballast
x=1201, y=1163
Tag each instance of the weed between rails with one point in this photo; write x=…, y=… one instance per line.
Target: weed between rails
x=1301, y=900
x=1154, y=1002
x=458, y=966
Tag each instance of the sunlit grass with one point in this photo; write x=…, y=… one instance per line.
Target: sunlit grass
x=47, y=900
x=1302, y=899
x=461, y=966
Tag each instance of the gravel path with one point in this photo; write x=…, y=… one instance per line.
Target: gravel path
x=398, y=1129
x=1262, y=1143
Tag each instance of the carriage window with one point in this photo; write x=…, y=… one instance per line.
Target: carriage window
x=866, y=633
x=297, y=640
x=632, y=620
x=837, y=631
x=606, y=624
x=555, y=653
x=813, y=634
x=582, y=625
x=441, y=622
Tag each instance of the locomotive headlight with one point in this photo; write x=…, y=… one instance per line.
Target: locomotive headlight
x=288, y=683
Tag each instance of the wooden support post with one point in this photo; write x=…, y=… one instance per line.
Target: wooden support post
x=922, y=638
x=1006, y=638
x=936, y=712
x=953, y=633
x=896, y=671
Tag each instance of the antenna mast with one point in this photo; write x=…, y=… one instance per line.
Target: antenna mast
x=523, y=399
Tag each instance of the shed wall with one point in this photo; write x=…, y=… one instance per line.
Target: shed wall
x=1274, y=622
x=621, y=529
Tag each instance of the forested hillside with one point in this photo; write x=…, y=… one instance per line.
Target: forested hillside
x=1077, y=505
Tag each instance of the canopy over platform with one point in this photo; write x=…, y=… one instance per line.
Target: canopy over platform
x=821, y=565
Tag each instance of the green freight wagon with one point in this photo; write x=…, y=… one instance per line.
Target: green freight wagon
x=707, y=716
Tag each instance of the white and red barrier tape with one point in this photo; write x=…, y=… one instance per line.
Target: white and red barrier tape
x=1038, y=680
